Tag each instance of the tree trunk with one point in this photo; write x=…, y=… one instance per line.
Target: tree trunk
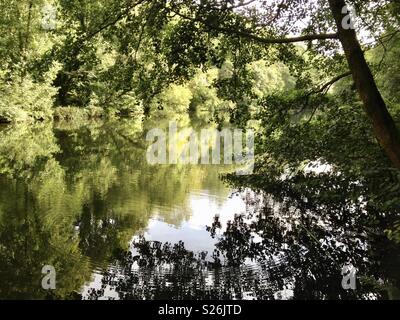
x=383, y=125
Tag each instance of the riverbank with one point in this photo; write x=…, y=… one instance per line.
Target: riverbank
x=67, y=114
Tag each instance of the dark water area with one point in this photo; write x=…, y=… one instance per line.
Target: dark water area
x=83, y=198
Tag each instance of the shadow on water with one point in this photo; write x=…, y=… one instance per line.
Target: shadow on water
x=75, y=198
x=258, y=256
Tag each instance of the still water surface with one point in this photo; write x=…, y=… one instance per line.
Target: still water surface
x=73, y=196
x=80, y=197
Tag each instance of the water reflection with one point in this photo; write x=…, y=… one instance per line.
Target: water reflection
x=75, y=197
x=72, y=197
x=267, y=253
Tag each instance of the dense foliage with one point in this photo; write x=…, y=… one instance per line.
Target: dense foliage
x=278, y=67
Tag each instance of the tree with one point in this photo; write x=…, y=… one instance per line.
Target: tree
x=383, y=125
x=271, y=23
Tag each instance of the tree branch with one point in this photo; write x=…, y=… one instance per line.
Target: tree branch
x=119, y=17
x=323, y=89
x=253, y=37
x=241, y=5
x=327, y=85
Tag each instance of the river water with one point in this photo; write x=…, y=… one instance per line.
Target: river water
x=83, y=199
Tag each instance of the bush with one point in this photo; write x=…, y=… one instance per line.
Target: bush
x=12, y=114
x=118, y=105
x=27, y=100
x=78, y=113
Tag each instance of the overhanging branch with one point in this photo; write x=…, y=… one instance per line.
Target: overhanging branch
x=253, y=37
x=329, y=84
x=323, y=89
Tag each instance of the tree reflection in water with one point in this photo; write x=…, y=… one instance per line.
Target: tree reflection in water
x=277, y=250
x=74, y=197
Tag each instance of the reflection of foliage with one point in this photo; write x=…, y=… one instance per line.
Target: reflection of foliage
x=22, y=148
x=394, y=233
x=315, y=224
x=172, y=272
x=291, y=252
x=77, y=192
x=31, y=238
x=326, y=166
